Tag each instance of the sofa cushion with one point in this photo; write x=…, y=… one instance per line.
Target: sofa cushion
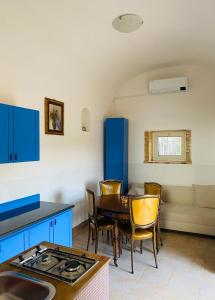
x=187, y=214
x=178, y=194
x=204, y=195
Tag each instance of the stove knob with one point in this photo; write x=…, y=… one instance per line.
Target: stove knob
x=21, y=258
x=38, y=248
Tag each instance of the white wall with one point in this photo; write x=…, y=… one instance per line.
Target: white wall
x=40, y=56
x=193, y=110
x=68, y=163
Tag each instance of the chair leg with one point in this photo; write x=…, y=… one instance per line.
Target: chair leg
x=159, y=229
x=108, y=236
x=93, y=236
x=111, y=236
x=159, y=241
x=154, y=247
x=97, y=240
x=134, y=246
x=141, y=247
x=120, y=244
x=89, y=234
x=132, y=256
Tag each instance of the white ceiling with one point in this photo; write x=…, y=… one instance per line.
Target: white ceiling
x=78, y=33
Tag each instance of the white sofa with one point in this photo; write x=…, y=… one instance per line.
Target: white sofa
x=185, y=208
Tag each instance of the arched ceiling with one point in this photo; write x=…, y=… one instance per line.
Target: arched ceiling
x=78, y=34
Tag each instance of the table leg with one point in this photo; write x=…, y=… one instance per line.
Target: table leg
x=116, y=241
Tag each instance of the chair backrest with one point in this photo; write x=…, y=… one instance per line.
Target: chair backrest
x=152, y=188
x=144, y=210
x=110, y=187
x=90, y=196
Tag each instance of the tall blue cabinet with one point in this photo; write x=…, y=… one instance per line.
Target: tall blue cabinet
x=116, y=150
x=19, y=132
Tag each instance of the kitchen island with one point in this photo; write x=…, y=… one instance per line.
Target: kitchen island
x=94, y=284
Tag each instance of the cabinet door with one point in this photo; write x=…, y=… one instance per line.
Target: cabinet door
x=114, y=134
x=114, y=172
x=39, y=233
x=11, y=246
x=25, y=134
x=63, y=229
x=6, y=147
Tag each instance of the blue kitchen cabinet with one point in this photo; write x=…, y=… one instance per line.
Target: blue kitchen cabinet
x=62, y=229
x=6, y=149
x=19, y=133
x=11, y=246
x=56, y=229
x=116, y=150
x=26, y=136
x=38, y=233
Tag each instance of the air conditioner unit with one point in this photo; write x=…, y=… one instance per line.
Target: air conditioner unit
x=170, y=85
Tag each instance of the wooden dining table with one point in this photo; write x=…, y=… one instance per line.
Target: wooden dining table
x=116, y=208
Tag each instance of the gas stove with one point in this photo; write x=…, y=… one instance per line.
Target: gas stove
x=55, y=263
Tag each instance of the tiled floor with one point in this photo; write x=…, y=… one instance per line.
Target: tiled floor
x=186, y=269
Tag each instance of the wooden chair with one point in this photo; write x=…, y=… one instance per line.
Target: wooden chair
x=143, y=219
x=110, y=187
x=96, y=222
x=154, y=188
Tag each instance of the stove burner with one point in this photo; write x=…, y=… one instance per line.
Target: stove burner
x=64, y=266
x=45, y=258
x=72, y=266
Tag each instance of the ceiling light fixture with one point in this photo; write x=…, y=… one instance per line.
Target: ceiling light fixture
x=127, y=23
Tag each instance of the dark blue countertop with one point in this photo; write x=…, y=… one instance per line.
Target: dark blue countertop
x=24, y=216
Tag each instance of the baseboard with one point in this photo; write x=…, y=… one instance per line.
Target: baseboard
x=79, y=227
x=189, y=233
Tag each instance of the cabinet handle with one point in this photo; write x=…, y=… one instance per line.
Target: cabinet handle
x=55, y=222
x=10, y=157
x=16, y=156
x=51, y=224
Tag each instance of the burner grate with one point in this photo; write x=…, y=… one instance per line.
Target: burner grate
x=57, y=264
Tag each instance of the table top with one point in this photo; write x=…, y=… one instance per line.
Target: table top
x=112, y=204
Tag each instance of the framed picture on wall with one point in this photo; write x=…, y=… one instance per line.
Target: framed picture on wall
x=54, y=117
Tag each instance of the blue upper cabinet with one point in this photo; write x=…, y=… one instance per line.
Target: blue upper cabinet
x=116, y=150
x=6, y=149
x=19, y=132
x=26, y=138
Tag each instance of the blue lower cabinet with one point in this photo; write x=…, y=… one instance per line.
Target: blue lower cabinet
x=62, y=229
x=57, y=229
x=11, y=246
x=39, y=233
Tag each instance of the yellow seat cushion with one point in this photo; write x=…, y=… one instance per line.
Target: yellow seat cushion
x=140, y=234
